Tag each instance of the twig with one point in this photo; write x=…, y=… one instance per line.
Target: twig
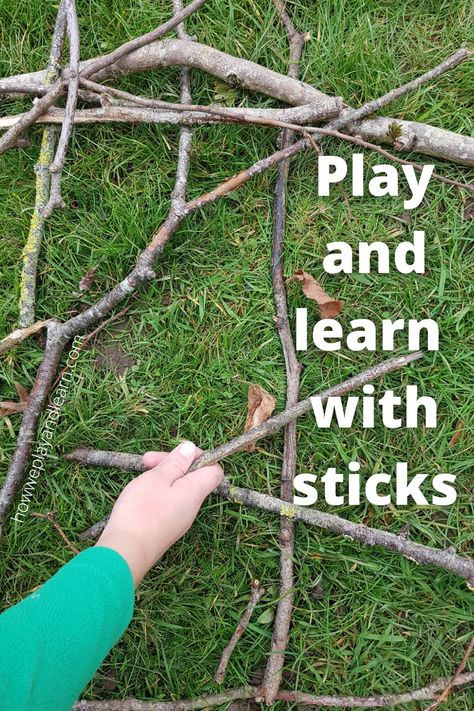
x=351, y=115
x=409, y=136
x=40, y=106
x=256, y=593
x=281, y=626
x=190, y=115
x=51, y=518
x=250, y=692
x=114, y=57
x=60, y=333
x=20, y=334
x=55, y=198
x=449, y=686
x=127, y=113
x=464, y=567
x=32, y=247
x=297, y=114
x=89, y=337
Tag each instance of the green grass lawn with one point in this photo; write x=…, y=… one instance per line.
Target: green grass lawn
x=365, y=620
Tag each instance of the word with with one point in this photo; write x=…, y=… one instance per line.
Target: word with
x=333, y=169
x=406, y=489
x=324, y=412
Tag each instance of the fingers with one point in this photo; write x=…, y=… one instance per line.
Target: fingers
x=177, y=462
x=152, y=459
x=203, y=481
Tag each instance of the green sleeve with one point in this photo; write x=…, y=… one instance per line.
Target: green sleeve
x=52, y=643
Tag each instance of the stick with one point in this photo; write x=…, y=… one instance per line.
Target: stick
x=40, y=106
x=127, y=113
x=32, y=247
x=281, y=626
x=51, y=518
x=250, y=692
x=20, y=334
x=371, y=107
x=188, y=114
x=55, y=198
x=416, y=552
x=60, y=333
x=255, y=595
x=302, y=114
x=101, y=63
x=409, y=136
x=449, y=687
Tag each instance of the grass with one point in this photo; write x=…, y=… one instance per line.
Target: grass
x=365, y=620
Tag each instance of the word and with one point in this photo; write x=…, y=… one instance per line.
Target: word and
x=407, y=489
x=333, y=169
x=408, y=257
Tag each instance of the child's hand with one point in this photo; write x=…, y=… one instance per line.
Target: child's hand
x=158, y=507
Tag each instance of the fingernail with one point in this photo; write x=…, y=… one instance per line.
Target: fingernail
x=187, y=449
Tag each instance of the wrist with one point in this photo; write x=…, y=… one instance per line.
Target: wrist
x=129, y=546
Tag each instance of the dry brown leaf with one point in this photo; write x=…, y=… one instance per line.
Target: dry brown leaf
x=9, y=407
x=16, y=337
x=260, y=406
x=457, y=434
x=328, y=307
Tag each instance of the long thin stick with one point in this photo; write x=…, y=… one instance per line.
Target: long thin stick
x=32, y=247
x=129, y=113
x=281, y=626
x=426, y=555
x=256, y=593
x=371, y=107
x=423, y=693
x=51, y=519
x=55, y=198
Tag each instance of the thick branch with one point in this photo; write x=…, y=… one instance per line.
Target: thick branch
x=423, y=693
x=255, y=595
x=55, y=198
x=281, y=626
x=411, y=136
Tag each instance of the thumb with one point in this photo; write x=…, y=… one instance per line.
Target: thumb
x=177, y=462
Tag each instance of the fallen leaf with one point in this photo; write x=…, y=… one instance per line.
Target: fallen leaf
x=260, y=406
x=9, y=407
x=113, y=357
x=23, y=393
x=457, y=434
x=16, y=337
x=266, y=617
x=468, y=209
x=87, y=280
x=328, y=307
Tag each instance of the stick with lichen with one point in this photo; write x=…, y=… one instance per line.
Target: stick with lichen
x=43, y=179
